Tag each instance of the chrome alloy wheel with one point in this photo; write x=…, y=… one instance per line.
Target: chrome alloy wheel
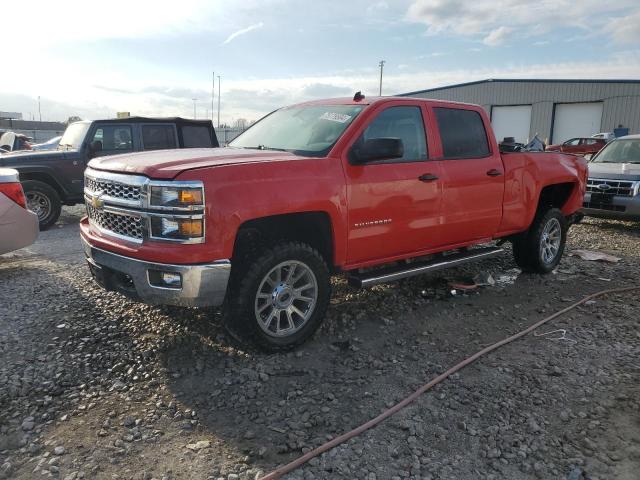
x=550, y=241
x=286, y=298
x=38, y=204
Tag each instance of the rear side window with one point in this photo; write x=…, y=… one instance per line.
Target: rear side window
x=195, y=137
x=462, y=133
x=158, y=137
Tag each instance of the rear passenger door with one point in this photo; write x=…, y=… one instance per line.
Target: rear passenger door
x=158, y=136
x=472, y=176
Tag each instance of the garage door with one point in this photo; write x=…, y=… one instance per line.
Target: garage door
x=576, y=120
x=511, y=122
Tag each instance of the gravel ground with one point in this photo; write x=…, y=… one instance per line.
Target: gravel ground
x=95, y=386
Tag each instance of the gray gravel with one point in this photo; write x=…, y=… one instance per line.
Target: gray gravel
x=95, y=386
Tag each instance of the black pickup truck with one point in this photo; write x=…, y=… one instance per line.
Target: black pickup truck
x=54, y=178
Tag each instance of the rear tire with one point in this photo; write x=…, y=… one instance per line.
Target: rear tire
x=540, y=249
x=279, y=297
x=44, y=201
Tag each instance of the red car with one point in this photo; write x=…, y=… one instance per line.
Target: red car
x=375, y=189
x=579, y=146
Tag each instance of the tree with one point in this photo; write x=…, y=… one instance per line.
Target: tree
x=71, y=119
x=241, y=123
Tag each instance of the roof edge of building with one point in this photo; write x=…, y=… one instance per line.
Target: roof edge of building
x=520, y=80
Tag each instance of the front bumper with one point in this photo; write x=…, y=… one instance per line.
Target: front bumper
x=620, y=207
x=202, y=285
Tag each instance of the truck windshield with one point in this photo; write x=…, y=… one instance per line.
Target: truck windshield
x=73, y=136
x=306, y=130
x=620, y=151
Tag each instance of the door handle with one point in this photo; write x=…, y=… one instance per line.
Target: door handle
x=494, y=172
x=427, y=177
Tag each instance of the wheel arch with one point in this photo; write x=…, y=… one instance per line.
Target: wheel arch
x=555, y=195
x=313, y=228
x=44, y=177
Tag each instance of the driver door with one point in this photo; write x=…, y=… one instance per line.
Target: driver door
x=394, y=205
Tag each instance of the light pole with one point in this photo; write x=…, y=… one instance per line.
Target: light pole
x=382, y=62
x=39, y=111
x=213, y=92
x=194, y=107
x=218, y=101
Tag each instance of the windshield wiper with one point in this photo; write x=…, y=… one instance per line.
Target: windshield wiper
x=264, y=147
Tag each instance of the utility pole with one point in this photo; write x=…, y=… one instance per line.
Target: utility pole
x=194, y=107
x=213, y=92
x=218, y=101
x=382, y=62
x=39, y=111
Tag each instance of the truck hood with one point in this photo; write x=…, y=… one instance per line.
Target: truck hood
x=167, y=164
x=620, y=171
x=21, y=156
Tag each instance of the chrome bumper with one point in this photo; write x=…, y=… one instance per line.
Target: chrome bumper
x=203, y=285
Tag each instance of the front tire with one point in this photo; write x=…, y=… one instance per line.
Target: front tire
x=279, y=298
x=540, y=249
x=44, y=201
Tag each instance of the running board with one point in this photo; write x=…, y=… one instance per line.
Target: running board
x=390, y=274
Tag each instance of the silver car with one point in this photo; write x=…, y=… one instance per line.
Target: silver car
x=613, y=188
x=18, y=226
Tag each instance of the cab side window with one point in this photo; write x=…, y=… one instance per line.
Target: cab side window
x=462, y=133
x=404, y=123
x=114, y=138
x=158, y=137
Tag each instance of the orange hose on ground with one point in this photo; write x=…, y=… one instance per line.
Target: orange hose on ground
x=278, y=472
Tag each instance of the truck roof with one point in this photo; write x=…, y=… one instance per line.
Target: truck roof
x=373, y=100
x=177, y=120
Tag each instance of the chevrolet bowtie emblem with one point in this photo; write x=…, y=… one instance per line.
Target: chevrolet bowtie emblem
x=96, y=201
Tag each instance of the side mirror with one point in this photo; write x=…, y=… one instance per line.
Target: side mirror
x=95, y=147
x=377, y=149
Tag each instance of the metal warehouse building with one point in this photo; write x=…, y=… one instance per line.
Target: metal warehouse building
x=556, y=110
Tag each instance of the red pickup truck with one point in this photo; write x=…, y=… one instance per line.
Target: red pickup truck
x=376, y=189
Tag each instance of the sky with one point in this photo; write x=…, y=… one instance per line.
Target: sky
x=153, y=58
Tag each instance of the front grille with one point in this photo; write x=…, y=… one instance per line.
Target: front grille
x=121, y=224
x=612, y=187
x=113, y=189
x=604, y=206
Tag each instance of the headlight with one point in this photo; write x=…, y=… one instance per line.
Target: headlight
x=177, y=228
x=177, y=197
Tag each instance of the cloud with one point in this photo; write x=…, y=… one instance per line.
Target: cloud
x=625, y=30
x=76, y=20
x=253, y=98
x=243, y=31
x=484, y=19
x=324, y=90
x=497, y=37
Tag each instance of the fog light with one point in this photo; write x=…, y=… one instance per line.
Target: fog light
x=161, y=279
x=171, y=279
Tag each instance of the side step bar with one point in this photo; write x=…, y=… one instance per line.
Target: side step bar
x=390, y=274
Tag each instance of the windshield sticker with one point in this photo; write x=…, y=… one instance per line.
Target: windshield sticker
x=335, y=117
